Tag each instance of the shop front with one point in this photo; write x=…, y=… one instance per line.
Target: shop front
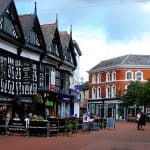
x=5, y=106
x=50, y=104
x=75, y=103
x=64, y=105
x=107, y=108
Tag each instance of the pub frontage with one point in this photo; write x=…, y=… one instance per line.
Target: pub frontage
x=35, y=67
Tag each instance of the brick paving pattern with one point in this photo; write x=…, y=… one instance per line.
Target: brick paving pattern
x=125, y=137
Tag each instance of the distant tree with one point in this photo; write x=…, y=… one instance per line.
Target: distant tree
x=146, y=96
x=137, y=93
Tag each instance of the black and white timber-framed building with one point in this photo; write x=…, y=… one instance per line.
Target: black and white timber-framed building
x=34, y=65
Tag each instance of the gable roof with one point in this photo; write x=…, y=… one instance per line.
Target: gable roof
x=65, y=39
x=48, y=32
x=123, y=61
x=4, y=4
x=67, y=42
x=26, y=21
x=77, y=47
x=15, y=36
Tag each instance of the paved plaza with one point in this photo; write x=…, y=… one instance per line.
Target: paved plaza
x=124, y=137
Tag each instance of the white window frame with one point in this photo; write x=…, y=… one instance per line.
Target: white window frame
x=94, y=93
x=127, y=75
x=99, y=92
x=108, y=91
x=108, y=77
x=113, y=76
x=136, y=77
x=113, y=91
x=99, y=78
x=94, y=78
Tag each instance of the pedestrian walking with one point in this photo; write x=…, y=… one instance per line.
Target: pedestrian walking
x=141, y=121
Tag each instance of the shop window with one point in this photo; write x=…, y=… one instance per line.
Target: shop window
x=65, y=83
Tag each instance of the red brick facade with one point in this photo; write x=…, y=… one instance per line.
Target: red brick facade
x=120, y=83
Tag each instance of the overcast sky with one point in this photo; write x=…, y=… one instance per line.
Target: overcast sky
x=103, y=28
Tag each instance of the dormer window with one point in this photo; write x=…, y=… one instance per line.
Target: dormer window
x=33, y=38
x=139, y=75
x=54, y=48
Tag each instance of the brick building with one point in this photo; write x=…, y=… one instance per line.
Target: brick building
x=110, y=78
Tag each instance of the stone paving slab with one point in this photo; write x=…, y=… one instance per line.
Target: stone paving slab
x=124, y=137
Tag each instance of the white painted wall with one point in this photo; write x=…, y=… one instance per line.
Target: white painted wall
x=30, y=55
x=8, y=47
x=77, y=109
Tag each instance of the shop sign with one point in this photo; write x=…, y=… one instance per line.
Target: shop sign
x=49, y=103
x=78, y=87
x=16, y=126
x=75, y=94
x=65, y=98
x=52, y=84
x=26, y=99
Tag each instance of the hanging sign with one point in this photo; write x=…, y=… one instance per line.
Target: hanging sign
x=52, y=84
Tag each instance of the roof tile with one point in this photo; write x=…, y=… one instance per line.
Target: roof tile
x=127, y=60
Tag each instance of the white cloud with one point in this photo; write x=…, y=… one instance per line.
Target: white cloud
x=102, y=31
x=95, y=48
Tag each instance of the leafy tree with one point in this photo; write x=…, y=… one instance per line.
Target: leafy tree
x=138, y=93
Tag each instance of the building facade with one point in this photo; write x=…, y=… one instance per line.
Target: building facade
x=110, y=78
x=35, y=70
x=84, y=92
x=75, y=80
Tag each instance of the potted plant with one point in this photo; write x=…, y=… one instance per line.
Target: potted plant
x=68, y=126
x=75, y=125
